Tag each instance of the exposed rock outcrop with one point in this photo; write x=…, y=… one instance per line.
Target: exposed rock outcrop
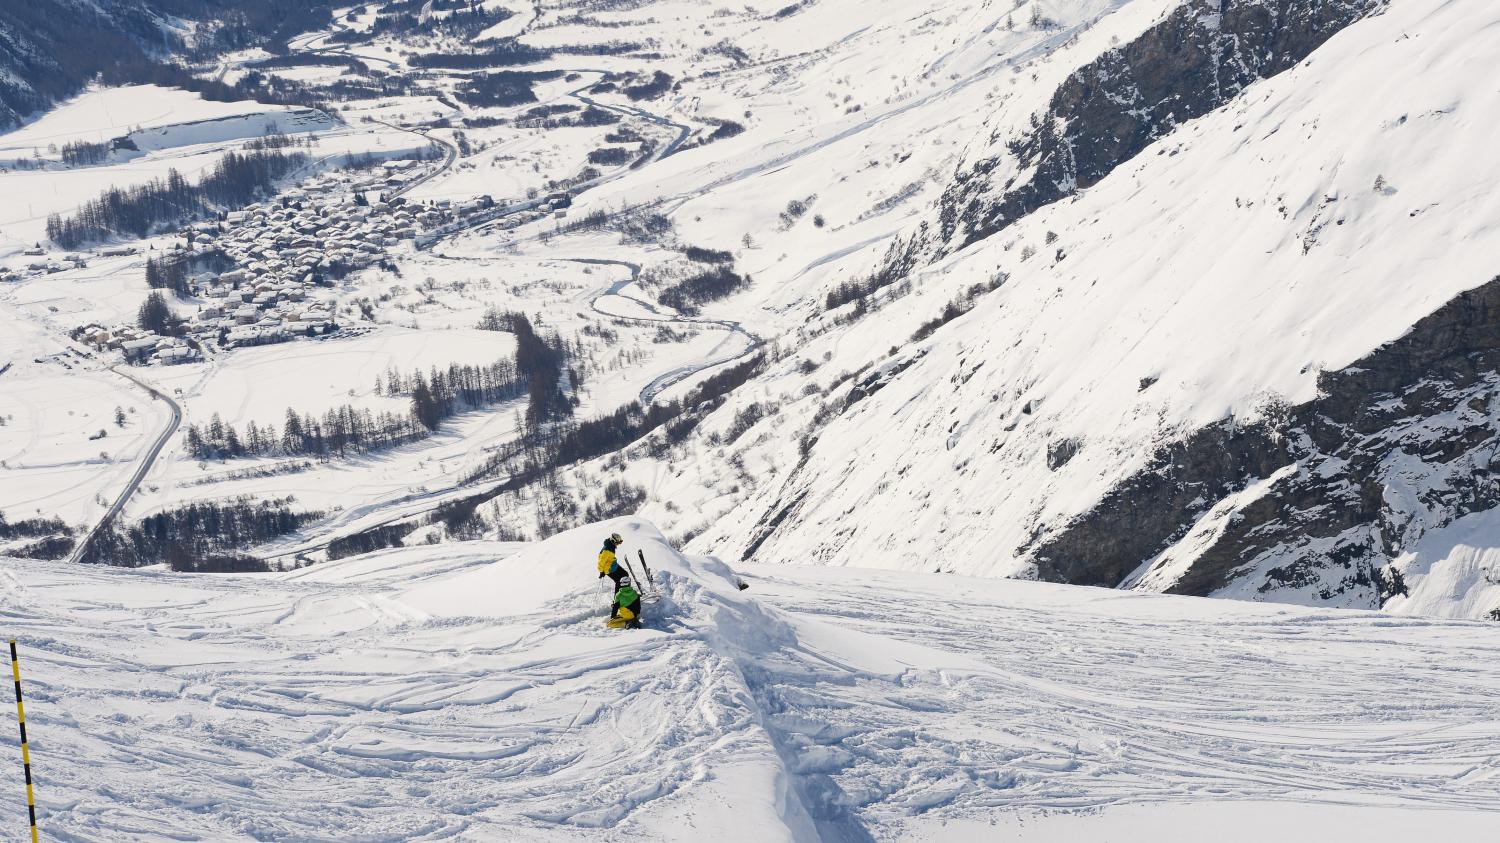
x=1197, y=59
x=1401, y=442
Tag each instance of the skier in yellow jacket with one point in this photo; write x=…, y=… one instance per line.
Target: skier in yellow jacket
x=609, y=566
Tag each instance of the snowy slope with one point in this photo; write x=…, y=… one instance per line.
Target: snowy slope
x=1287, y=234
x=471, y=692
x=1211, y=282
x=374, y=700
x=1455, y=570
x=865, y=109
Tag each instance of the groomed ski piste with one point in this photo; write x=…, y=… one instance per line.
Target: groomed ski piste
x=472, y=692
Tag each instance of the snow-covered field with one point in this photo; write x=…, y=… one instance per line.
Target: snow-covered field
x=471, y=692
x=1250, y=250
x=261, y=383
x=171, y=130
x=53, y=461
x=100, y=115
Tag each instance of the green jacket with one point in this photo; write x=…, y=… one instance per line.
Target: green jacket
x=626, y=598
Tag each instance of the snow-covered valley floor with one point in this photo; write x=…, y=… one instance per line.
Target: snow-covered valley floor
x=437, y=693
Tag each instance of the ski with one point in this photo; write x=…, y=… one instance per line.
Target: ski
x=625, y=560
x=650, y=577
x=640, y=584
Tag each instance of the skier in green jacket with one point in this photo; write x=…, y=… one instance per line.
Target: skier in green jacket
x=626, y=613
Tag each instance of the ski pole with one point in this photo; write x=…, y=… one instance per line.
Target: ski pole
x=15, y=669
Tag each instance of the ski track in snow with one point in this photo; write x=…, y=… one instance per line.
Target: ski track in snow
x=325, y=705
x=311, y=711
x=1094, y=707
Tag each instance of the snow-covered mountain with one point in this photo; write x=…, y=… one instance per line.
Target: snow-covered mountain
x=51, y=49
x=471, y=692
x=956, y=350
x=1092, y=291
x=1240, y=360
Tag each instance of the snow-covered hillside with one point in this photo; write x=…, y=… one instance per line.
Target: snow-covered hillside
x=1218, y=275
x=1147, y=294
x=49, y=48
x=472, y=692
x=882, y=312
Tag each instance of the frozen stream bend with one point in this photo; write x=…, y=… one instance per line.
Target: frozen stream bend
x=372, y=699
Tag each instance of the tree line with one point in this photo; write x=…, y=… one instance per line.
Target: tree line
x=549, y=449
x=31, y=527
x=502, y=88
x=173, y=271
x=168, y=274
x=540, y=362
x=659, y=83
x=441, y=395
x=195, y=536
x=685, y=295
x=900, y=258
x=504, y=53
x=156, y=316
x=344, y=430
x=545, y=449
x=339, y=432
x=237, y=179
x=435, y=396
x=84, y=153
x=52, y=539
x=403, y=18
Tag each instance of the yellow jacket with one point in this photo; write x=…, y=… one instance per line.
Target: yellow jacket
x=606, y=561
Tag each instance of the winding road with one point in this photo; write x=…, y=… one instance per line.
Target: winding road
x=141, y=470
x=669, y=379
x=450, y=152
x=450, y=156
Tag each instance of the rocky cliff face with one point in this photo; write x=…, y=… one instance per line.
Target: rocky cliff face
x=1319, y=500
x=1197, y=59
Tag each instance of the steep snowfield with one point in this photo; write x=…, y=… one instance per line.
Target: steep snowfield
x=1291, y=232
x=378, y=699
x=471, y=692
x=1455, y=570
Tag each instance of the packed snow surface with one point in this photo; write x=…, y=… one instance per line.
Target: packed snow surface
x=472, y=692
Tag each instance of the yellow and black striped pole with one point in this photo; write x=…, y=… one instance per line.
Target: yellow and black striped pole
x=15, y=669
